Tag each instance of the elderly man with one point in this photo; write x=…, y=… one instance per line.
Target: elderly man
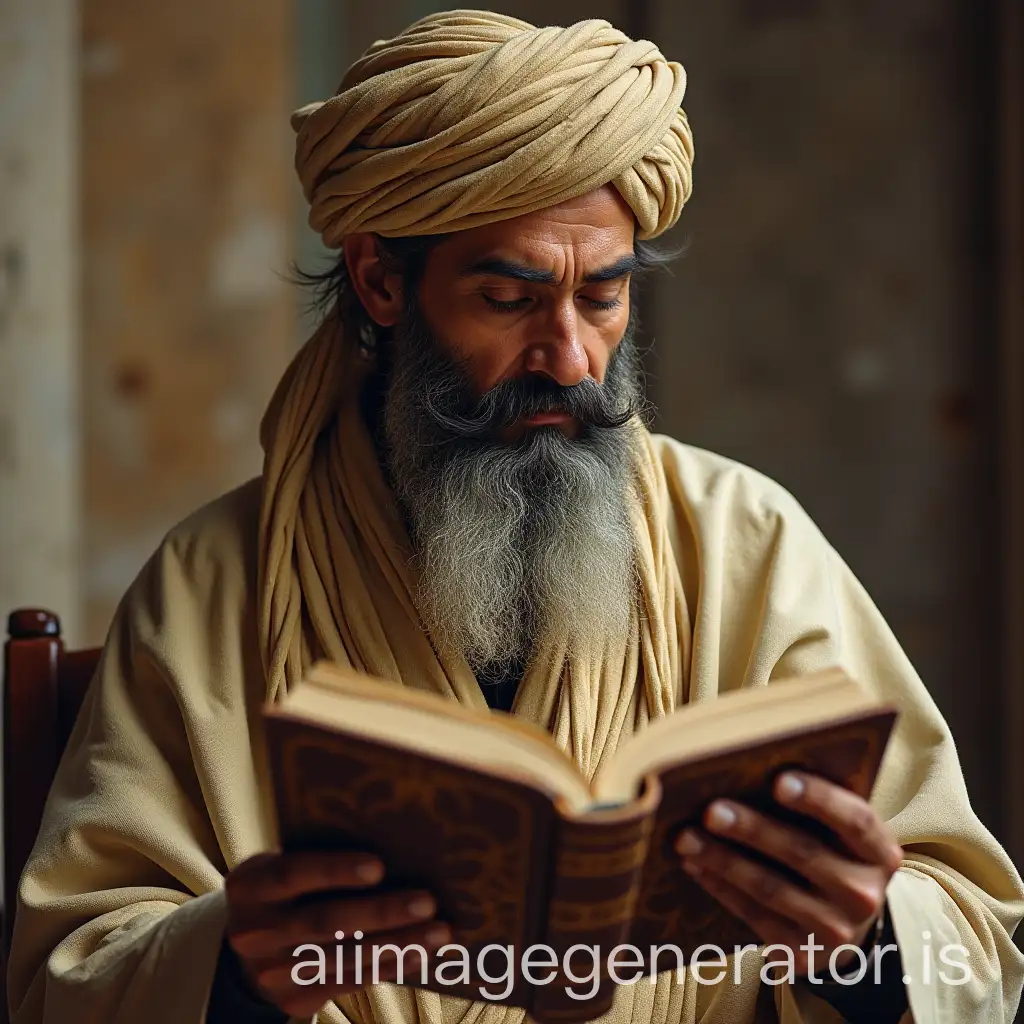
x=459, y=495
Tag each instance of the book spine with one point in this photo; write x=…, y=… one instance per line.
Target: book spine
x=596, y=878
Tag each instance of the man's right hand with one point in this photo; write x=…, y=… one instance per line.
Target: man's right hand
x=280, y=901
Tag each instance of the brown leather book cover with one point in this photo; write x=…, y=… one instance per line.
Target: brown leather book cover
x=511, y=867
x=482, y=845
x=671, y=908
x=595, y=882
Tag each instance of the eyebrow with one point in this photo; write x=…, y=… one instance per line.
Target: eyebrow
x=495, y=267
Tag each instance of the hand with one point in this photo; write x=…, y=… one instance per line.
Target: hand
x=277, y=902
x=844, y=894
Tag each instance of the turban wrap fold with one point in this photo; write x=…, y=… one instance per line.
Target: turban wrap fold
x=468, y=117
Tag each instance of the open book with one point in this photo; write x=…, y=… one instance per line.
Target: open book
x=486, y=812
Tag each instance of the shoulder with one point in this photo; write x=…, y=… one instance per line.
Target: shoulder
x=757, y=573
x=203, y=571
x=189, y=619
x=710, y=491
x=224, y=531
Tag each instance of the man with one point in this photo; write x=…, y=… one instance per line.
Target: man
x=459, y=495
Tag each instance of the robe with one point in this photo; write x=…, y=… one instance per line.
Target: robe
x=163, y=787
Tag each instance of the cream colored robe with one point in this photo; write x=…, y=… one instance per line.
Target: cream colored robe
x=160, y=791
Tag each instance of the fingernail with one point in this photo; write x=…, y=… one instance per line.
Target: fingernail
x=439, y=935
x=688, y=844
x=422, y=907
x=789, y=788
x=370, y=871
x=721, y=816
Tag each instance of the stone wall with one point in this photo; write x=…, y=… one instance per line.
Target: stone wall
x=187, y=203
x=40, y=510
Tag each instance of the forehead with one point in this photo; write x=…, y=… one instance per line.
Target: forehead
x=589, y=230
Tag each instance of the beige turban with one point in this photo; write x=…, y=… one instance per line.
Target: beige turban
x=469, y=117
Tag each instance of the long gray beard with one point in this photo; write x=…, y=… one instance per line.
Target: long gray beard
x=514, y=541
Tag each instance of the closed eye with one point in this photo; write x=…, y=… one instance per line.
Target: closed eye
x=506, y=307
x=604, y=303
x=513, y=305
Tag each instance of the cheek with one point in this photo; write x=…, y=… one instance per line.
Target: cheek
x=493, y=358
x=492, y=351
x=493, y=354
x=601, y=341
x=488, y=353
x=462, y=336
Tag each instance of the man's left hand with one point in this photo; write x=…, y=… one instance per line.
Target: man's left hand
x=844, y=892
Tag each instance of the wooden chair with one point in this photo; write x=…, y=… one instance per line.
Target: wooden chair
x=43, y=688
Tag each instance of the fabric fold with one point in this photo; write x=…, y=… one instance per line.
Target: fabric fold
x=469, y=117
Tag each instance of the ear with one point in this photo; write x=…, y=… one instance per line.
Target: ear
x=379, y=289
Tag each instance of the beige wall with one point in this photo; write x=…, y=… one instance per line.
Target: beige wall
x=39, y=435
x=367, y=22
x=187, y=203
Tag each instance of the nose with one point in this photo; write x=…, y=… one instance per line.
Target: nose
x=557, y=352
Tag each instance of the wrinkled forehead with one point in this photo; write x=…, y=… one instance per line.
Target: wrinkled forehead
x=569, y=241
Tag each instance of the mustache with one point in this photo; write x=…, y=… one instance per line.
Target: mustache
x=441, y=389
x=591, y=404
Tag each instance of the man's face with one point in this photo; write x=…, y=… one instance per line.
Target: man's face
x=544, y=294
x=507, y=384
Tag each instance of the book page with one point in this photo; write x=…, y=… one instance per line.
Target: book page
x=439, y=728
x=731, y=721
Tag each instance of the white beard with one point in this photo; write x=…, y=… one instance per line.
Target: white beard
x=513, y=540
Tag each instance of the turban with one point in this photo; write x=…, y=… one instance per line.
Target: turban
x=469, y=117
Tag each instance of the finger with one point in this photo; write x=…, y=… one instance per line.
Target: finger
x=278, y=877
x=274, y=977
x=858, y=888
x=283, y=928
x=805, y=912
x=851, y=817
x=768, y=926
